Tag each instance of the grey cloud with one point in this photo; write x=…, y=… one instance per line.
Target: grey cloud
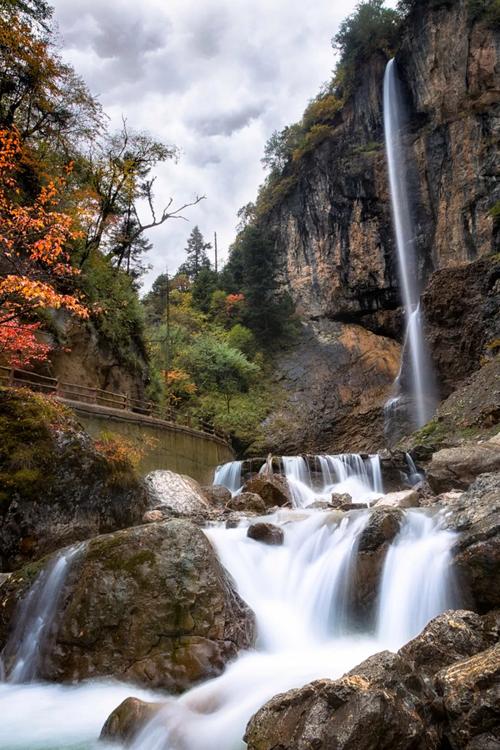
x=226, y=124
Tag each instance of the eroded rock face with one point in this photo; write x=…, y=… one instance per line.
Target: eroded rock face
x=476, y=515
x=151, y=605
x=457, y=468
x=470, y=692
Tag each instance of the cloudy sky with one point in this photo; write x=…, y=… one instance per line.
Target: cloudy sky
x=214, y=77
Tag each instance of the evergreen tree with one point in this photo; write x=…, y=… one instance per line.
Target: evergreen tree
x=196, y=255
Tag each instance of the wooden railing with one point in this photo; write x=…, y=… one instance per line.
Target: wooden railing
x=87, y=395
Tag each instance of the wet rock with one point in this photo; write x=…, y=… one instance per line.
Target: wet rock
x=151, y=604
x=177, y=494
x=470, y=691
x=128, y=719
x=360, y=711
x=476, y=554
x=154, y=516
x=340, y=499
x=217, y=495
x=247, y=502
x=457, y=468
x=448, y=638
x=381, y=529
x=267, y=533
x=403, y=499
x=321, y=505
x=273, y=490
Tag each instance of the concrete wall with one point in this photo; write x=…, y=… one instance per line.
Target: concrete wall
x=167, y=446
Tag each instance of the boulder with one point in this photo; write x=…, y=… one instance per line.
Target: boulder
x=128, y=719
x=267, y=533
x=404, y=499
x=273, y=490
x=154, y=516
x=338, y=500
x=457, y=468
x=177, y=494
x=247, y=502
x=371, y=707
x=476, y=515
x=448, y=638
x=470, y=690
x=382, y=527
x=217, y=495
x=151, y=604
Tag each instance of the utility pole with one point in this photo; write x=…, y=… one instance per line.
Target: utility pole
x=215, y=249
x=167, y=294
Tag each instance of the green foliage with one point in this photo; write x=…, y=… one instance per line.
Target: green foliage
x=372, y=27
x=313, y=138
x=273, y=192
x=494, y=211
x=242, y=338
x=205, y=284
x=321, y=110
x=216, y=366
x=280, y=146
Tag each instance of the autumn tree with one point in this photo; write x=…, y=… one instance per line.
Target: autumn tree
x=35, y=272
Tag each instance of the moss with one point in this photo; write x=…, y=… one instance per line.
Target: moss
x=494, y=211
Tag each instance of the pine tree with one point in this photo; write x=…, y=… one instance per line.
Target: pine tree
x=196, y=252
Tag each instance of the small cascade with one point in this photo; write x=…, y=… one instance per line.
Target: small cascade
x=299, y=480
x=21, y=657
x=229, y=476
x=421, y=387
x=376, y=474
x=349, y=472
x=414, y=476
x=417, y=580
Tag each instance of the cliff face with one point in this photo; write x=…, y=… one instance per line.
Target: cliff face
x=334, y=238
x=333, y=234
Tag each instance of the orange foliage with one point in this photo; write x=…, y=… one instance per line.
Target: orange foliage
x=33, y=238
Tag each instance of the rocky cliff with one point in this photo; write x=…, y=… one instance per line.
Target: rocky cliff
x=334, y=242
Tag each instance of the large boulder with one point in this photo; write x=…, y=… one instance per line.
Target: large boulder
x=273, y=490
x=151, y=604
x=217, y=495
x=457, y=468
x=470, y=694
x=57, y=485
x=402, y=499
x=247, y=502
x=371, y=707
x=267, y=533
x=475, y=514
x=177, y=494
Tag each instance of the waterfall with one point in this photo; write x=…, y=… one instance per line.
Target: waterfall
x=421, y=388
x=417, y=580
x=301, y=595
x=299, y=480
x=229, y=475
x=21, y=658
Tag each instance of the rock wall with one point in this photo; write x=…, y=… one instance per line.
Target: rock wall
x=334, y=242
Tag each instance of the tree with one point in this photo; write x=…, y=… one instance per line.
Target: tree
x=204, y=285
x=196, y=252
x=370, y=28
x=35, y=272
x=280, y=147
x=214, y=365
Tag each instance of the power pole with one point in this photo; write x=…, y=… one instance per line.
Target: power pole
x=215, y=249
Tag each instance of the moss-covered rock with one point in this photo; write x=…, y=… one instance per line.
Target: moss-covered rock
x=150, y=604
x=56, y=486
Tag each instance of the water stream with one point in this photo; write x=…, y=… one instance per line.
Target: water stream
x=301, y=593
x=421, y=382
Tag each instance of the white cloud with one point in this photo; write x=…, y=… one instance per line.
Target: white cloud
x=215, y=77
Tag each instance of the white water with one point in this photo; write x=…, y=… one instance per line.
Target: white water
x=229, y=476
x=421, y=377
x=20, y=659
x=301, y=594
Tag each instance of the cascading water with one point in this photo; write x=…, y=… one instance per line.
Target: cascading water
x=20, y=659
x=417, y=580
x=302, y=595
x=229, y=476
x=421, y=387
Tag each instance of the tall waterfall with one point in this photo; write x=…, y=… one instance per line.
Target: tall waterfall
x=421, y=385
